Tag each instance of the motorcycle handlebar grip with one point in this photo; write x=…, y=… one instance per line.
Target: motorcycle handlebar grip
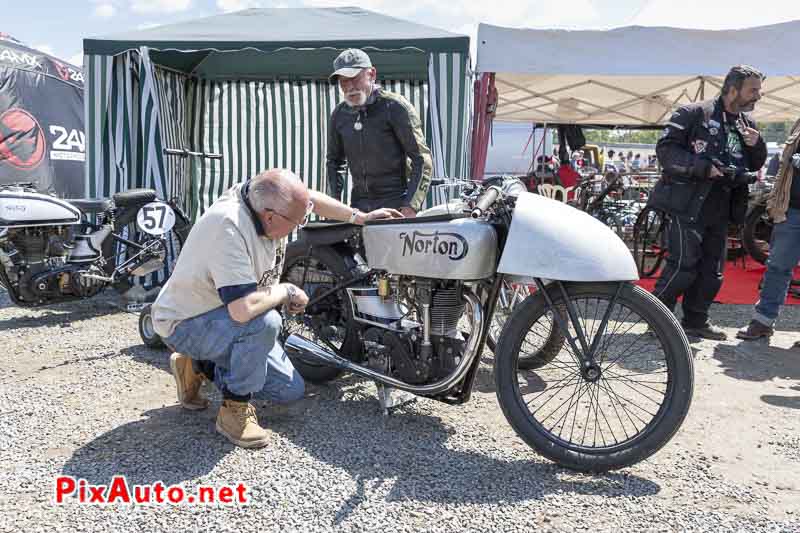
x=486, y=200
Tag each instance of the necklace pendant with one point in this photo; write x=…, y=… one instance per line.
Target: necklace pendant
x=357, y=126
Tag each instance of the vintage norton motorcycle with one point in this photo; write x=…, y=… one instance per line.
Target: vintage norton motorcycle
x=590, y=370
x=51, y=251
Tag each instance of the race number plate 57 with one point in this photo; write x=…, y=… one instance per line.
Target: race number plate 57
x=155, y=218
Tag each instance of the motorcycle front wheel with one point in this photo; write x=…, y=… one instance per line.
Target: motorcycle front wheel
x=612, y=418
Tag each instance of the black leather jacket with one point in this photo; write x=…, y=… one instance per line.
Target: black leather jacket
x=695, y=134
x=384, y=147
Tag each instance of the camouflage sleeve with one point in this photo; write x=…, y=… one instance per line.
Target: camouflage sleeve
x=408, y=129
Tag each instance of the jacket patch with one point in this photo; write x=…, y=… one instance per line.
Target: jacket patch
x=700, y=146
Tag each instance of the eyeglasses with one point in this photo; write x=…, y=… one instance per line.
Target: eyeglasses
x=302, y=224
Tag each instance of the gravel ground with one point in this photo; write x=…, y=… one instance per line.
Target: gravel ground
x=82, y=396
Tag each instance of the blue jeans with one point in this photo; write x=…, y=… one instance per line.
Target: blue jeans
x=784, y=253
x=248, y=357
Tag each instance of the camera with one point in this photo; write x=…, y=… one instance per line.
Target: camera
x=734, y=176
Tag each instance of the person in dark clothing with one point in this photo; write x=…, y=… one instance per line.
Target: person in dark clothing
x=706, y=151
x=377, y=136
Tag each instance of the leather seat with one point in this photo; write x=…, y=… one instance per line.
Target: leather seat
x=134, y=197
x=91, y=205
x=323, y=233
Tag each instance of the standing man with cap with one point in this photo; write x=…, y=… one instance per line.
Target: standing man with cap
x=378, y=136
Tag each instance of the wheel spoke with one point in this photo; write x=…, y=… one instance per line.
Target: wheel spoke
x=604, y=413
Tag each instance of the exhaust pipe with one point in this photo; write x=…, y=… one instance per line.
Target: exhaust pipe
x=306, y=350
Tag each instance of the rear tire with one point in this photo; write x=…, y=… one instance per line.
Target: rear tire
x=330, y=269
x=616, y=377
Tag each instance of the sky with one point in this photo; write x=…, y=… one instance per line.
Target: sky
x=58, y=26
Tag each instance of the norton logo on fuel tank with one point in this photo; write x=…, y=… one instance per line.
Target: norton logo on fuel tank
x=451, y=245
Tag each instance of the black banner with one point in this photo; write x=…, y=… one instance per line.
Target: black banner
x=42, y=138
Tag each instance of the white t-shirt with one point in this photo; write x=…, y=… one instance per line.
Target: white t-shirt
x=223, y=249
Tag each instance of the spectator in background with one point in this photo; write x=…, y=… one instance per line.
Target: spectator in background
x=636, y=164
x=622, y=165
x=702, y=140
x=784, y=250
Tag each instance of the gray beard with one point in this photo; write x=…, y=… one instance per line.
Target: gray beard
x=361, y=100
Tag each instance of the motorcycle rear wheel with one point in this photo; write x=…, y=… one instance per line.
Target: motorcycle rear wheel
x=324, y=269
x=554, y=408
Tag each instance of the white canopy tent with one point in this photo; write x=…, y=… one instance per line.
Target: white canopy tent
x=633, y=76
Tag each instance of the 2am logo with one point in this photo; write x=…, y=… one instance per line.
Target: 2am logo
x=22, y=142
x=451, y=245
x=68, y=140
x=68, y=145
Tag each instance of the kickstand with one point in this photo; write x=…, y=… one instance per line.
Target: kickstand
x=390, y=398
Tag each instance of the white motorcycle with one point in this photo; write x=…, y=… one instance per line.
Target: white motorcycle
x=52, y=251
x=590, y=370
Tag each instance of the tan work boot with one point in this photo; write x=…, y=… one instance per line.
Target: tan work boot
x=187, y=382
x=238, y=422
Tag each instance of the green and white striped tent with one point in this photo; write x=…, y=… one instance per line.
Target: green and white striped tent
x=253, y=86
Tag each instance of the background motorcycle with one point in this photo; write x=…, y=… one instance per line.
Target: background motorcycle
x=410, y=304
x=51, y=251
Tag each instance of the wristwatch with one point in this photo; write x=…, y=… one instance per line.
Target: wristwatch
x=353, y=216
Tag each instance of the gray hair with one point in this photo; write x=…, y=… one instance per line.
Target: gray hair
x=272, y=188
x=737, y=75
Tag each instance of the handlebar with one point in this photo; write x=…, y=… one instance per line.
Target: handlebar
x=486, y=200
x=185, y=153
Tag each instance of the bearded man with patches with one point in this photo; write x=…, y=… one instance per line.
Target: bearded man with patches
x=706, y=151
x=377, y=136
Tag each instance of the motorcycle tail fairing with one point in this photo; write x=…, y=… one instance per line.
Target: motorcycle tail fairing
x=552, y=240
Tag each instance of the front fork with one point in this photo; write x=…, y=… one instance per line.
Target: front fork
x=586, y=354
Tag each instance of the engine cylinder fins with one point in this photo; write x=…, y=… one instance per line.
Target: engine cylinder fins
x=447, y=308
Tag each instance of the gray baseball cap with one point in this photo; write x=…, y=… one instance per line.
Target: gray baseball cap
x=349, y=64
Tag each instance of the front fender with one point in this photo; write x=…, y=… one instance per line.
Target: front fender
x=549, y=239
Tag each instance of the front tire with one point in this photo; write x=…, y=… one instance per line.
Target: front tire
x=150, y=338
x=629, y=386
